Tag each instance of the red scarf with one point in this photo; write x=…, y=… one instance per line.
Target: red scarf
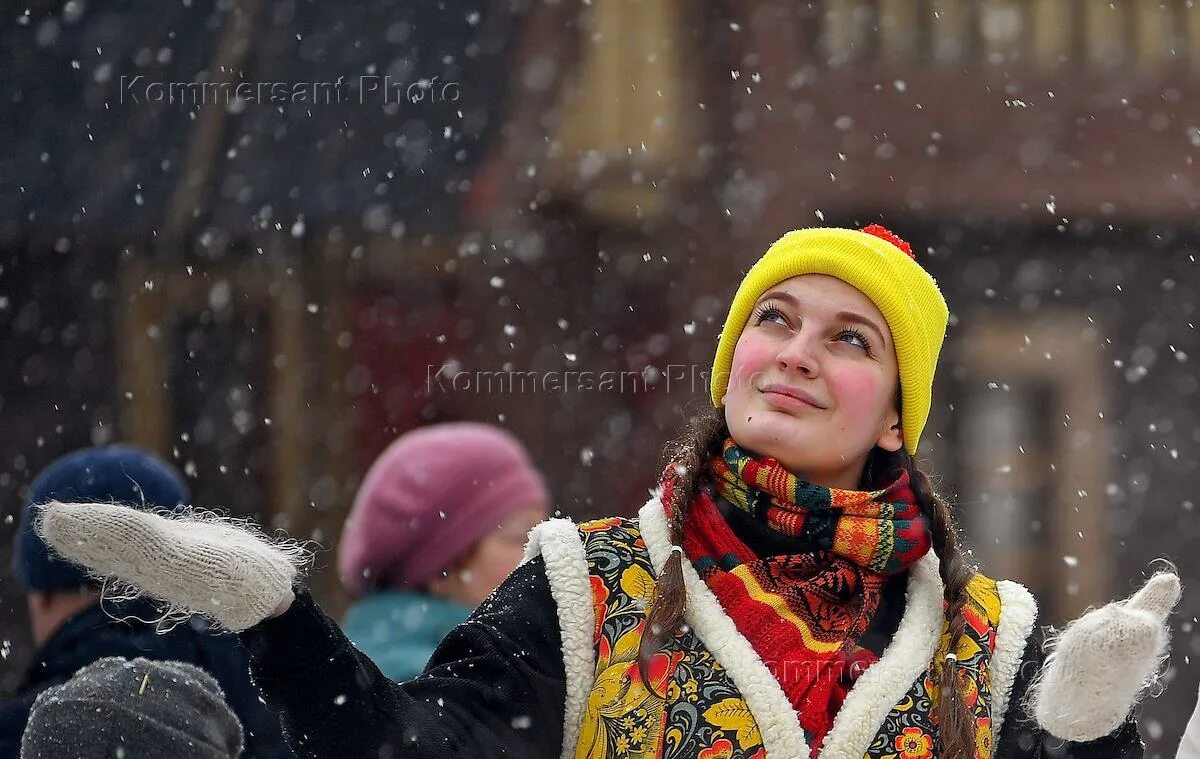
x=804, y=612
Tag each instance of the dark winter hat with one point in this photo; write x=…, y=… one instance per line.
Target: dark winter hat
x=138, y=709
x=114, y=474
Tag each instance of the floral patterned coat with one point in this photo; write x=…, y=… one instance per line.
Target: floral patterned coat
x=721, y=701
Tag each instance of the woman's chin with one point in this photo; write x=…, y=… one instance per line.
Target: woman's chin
x=775, y=434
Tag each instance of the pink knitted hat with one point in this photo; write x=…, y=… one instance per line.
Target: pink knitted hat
x=429, y=498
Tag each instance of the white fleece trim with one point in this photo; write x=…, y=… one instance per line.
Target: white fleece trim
x=558, y=543
x=783, y=738
x=887, y=681
x=1018, y=611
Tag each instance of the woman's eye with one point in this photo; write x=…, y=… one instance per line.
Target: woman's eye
x=769, y=313
x=854, y=337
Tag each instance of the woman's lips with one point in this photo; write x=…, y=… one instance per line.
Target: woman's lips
x=788, y=401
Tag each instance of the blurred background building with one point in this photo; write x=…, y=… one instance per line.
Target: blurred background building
x=263, y=239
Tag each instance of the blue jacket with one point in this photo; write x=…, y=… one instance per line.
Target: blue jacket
x=118, y=630
x=399, y=630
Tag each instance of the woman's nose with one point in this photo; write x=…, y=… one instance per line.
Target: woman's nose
x=798, y=354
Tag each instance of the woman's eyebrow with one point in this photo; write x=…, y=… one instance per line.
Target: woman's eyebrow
x=782, y=295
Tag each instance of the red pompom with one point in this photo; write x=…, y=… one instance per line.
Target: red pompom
x=883, y=233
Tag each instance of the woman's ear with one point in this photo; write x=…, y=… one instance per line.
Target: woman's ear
x=892, y=437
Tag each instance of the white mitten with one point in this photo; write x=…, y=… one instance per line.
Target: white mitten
x=1103, y=661
x=203, y=564
x=1189, y=747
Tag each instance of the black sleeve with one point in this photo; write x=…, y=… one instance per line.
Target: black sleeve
x=495, y=687
x=1022, y=738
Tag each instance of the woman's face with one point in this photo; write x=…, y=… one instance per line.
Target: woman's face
x=814, y=381
x=491, y=560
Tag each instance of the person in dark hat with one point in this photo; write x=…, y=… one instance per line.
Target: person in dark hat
x=140, y=708
x=73, y=628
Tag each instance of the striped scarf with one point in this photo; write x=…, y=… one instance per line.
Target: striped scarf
x=803, y=613
x=879, y=530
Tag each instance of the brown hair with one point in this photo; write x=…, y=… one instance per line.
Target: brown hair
x=685, y=459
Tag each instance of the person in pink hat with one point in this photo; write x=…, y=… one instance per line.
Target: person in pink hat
x=440, y=520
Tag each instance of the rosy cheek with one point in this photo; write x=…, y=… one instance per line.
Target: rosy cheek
x=752, y=355
x=858, y=393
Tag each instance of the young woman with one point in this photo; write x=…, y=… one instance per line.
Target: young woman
x=793, y=589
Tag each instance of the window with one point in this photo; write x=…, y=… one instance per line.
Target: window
x=1028, y=456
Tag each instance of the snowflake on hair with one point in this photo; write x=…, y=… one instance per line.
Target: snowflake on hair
x=883, y=233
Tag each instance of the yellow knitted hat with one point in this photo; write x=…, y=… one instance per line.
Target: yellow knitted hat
x=881, y=266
